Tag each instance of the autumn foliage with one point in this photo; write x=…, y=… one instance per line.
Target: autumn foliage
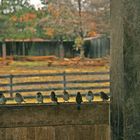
x=92, y=34
x=60, y=19
x=49, y=32
x=24, y=18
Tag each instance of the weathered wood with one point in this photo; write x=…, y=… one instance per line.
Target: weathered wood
x=3, y=50
x=30, y=133
x=88, y=73
x=55, y=74
x=11, y=85
x=23, y=48
x=64, y=83
x=4, y=76
x=56, y=82
x=9, y=134
x=60, y=82
x=63, y=122
x=3, y=134
x=42, y=133
x=70, y=132
x=45, y=115
x=64, y=80
x=36, y=75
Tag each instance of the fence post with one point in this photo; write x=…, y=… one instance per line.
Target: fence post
x=11, y=85
x=64, y=80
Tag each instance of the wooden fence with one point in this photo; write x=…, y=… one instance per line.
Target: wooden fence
x=9, y=87
x=52, y=122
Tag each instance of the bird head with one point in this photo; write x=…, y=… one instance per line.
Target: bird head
x=90, y=92
x=78, y=93
x=65, y=92
x=39, y=93
x=53, y=93
x=101, y=93
x=18, y=94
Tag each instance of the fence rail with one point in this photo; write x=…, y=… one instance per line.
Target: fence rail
x=11, y=86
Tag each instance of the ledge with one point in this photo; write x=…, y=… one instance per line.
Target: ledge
x=32, y=115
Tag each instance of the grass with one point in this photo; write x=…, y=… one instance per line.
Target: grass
x=18, y=67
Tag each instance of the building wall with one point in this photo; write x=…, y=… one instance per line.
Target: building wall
x=55, y=122
x=97, y=47
x=94, y=48
x=39, y=48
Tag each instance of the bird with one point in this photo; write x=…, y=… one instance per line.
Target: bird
x=90, y=96
x=19, y=98
x=39, y=97
x=79, y=100
x=54, y=97
x=104, y=96
x=66, y=96
x=2, y=98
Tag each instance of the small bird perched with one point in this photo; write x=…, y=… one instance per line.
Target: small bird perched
x=66, y=96
x=2, y=98
x=19, y=98
x=89, y=96
x=104, y=96
x=39, y=97
x=54, y=97
x=79, y=100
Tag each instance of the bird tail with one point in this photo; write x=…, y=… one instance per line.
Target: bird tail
x=78, y=106
x=108, y=97
x=58, y=103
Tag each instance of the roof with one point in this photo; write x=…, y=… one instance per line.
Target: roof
x=34, y=40
x=27, y=40
x=95, y=37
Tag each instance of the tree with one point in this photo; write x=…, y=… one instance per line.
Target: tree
x=125, y=68
x=59, y=18
x=24, y=23
x=12, y=6
x=77, y=18
x=9, y=10
x=3, y=33
x=44, y=2
x=80, y=29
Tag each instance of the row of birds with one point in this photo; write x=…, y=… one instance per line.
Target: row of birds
x=39, y=97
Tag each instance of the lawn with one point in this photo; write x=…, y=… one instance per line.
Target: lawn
x=38, y=67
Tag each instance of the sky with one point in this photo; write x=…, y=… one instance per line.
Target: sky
x=37, y=3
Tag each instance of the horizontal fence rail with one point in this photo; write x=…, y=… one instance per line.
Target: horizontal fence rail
x=54, y=82
x=64, y=81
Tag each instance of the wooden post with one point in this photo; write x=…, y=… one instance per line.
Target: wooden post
x=3, y=50
x=61, y=49
x=11, y=85
x=125, y=69
x=23, y=48
x=64, y=80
